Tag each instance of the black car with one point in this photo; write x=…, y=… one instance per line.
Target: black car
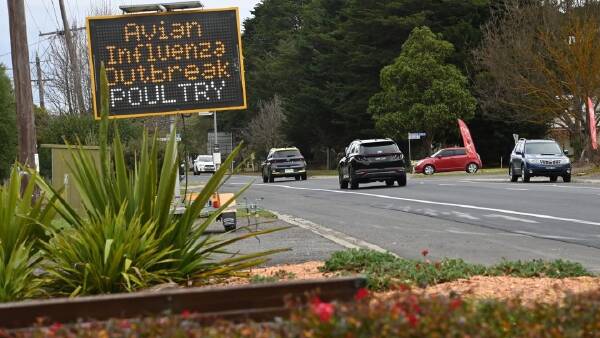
x=532, y=158
x=284, y=162
x=378, y=160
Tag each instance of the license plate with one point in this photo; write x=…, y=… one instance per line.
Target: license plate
x=288, y=171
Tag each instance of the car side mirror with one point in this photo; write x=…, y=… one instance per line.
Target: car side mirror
x=566, y=151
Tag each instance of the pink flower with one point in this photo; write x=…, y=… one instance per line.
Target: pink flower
x=425, y=252
x=455, y=303
x=412, y=320
x=324, y=311
x=55, y=327
x=361, y=293
x=124, y=324
x=185, y=314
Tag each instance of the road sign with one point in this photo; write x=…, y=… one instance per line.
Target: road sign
x=416, y=136
x=168, y=63
x=217, y=158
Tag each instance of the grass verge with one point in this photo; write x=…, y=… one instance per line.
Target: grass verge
x=384, y=270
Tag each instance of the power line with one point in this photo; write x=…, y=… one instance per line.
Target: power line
x=40, y=40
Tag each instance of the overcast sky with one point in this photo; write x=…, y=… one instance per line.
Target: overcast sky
x=44, y=16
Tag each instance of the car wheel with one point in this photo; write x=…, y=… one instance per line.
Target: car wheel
x=297, y=178
x=513, y=178
x=402, y=181
x=353, y=180
x=428, y=170
x=195, y=172
x=271, y=178
x=524, y=175
x=389, y=183
x=567, y=178
x=303, y=177
x=553, y=178
x=343, y=182
x=472, y=168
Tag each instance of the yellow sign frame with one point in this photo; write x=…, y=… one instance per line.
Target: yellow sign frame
x=189, y=111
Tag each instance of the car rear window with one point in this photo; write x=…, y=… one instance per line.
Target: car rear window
x=287, y=153
x=460, y=152
x=379, y=148
x=546, y=148
x=205, y=158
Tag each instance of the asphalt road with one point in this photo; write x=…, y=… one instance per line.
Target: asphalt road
x=481, y=219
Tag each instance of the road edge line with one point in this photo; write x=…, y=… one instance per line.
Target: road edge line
x=337, y=237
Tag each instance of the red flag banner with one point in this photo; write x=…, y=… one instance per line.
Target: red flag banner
x=466, y=136
x=592, y=121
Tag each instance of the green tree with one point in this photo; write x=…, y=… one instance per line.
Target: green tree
x=421, y=91
x=8, y=125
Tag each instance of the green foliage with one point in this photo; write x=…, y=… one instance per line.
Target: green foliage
x=384, y=270
x=22, y=223
x=324, y=57
x=420, y=91
x=119, y=204
x=8, y=125
x=401, y=314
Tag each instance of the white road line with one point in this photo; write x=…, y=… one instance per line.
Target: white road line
x=517, y=189
x=330, y=234
x=464, y=215
x=549, y=236
x=510, y=218
x=447, y=184
x=462, y=206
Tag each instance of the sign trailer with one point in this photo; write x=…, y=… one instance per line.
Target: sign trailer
x=168, y=63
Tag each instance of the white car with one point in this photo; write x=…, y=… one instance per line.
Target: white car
x=204, y=164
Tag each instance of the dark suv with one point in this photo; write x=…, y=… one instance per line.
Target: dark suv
x=532, y=158
x=284, y=162
x=366, y=161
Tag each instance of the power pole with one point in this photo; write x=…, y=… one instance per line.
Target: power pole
x=74, y=61
x=22, y=80
x=40, y=82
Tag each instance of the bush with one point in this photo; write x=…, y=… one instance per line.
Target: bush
x=383, y=270
x=119, y=204
x=22, y=224
x=403, y=314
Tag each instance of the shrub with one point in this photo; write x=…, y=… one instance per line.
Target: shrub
x=120, y=204
x=384, y=269
x=402, y=314
x=22, y=223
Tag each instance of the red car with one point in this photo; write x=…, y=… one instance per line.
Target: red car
x=449, y=159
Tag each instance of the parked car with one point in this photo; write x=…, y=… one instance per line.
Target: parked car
x=532, y=158
x=204, y=164
x=377, y=160
x=449, y=159
x=283, y=162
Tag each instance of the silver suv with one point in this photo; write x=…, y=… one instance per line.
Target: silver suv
x=532, y=158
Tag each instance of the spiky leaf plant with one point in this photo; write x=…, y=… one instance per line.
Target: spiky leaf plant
x=139, y=201
x=22, y=223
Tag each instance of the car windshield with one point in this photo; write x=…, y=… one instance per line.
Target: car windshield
x=542, y=148
x=287, y=153
x=379, y=148
x=205, y=158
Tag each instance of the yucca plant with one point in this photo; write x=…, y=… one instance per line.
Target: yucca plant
x=174, y=248
x=22, y=224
